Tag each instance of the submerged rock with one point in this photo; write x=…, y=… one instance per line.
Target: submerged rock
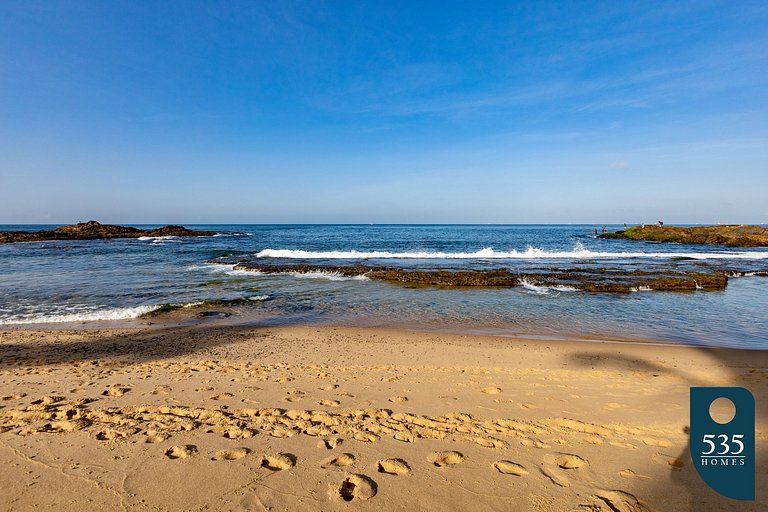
x=731, y=236
x=93, y=230
x=200, y=308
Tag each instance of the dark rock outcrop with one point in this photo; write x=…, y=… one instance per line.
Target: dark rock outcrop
x=589, y=280
x=731, y=236
x=93, y=230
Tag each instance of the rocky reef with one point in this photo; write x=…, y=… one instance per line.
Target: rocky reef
x=93, y=230
x=590, y=280
x=731, y=236
x=202, y=309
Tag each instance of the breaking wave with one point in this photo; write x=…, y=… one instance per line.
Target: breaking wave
x=540, y=289
x=331, y=276
x=579, y=252
x=87, y=316
x=159, y=240
x=229, y=269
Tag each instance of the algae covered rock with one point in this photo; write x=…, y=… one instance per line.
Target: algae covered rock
x=730, y=236
x=93, y=230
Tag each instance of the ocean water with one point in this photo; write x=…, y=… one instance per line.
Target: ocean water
x=57, y=283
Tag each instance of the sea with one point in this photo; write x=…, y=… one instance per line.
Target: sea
x=102, y=283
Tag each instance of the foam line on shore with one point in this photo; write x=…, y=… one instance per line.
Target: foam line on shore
x=103, y=314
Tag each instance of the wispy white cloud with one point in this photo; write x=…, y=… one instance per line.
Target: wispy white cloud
x=620, y=165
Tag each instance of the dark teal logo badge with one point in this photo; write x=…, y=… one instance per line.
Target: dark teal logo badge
x=723, y=448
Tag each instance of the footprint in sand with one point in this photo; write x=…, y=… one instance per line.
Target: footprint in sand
x=398, y=399
x=393, y=467
x=235, y=454
x=621, y=501
x=510, y=468
x=329, y=403
x=491, y=390
x=628, y=473
x=441, y=459
x=281, y=432
x=231, y=432
x=357, y=487
x=155, y=437
x=328, y=387
x=330, y=443
x=339, y=461
x=181, y=452
x=222, y=396
x=278, y=462
x=116, y=391
x=365, y=437
x=162, y=390
x=108, y=435
x=553, y=465
x=48, y=400
x=58, y=426
x=570, y=461
x=555, y=476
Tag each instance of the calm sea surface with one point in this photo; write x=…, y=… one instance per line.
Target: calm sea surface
x=58, y=282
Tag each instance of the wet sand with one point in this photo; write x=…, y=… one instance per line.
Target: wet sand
x=323, y=418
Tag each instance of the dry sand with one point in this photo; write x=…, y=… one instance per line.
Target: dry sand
x=305, y=418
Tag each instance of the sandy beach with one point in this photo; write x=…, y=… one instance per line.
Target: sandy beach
x=323, y=418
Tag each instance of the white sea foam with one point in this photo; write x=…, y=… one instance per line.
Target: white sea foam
x=331, y=276
x=315, y=274
x=156, y=238
x=544, y=289
x=159, y=240
x=579, y=252
x=216, y=268
x=745, y=274
x=84, y=316
x=257, y=298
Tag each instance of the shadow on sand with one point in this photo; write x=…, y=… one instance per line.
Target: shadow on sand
x=737, y=364
x=127, y=346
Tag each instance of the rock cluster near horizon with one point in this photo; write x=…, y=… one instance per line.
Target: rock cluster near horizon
x=731, y=236
x=93, y=230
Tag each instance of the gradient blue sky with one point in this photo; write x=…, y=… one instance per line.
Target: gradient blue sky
x=505, y=112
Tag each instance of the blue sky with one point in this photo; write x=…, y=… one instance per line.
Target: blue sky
x=503, y=112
